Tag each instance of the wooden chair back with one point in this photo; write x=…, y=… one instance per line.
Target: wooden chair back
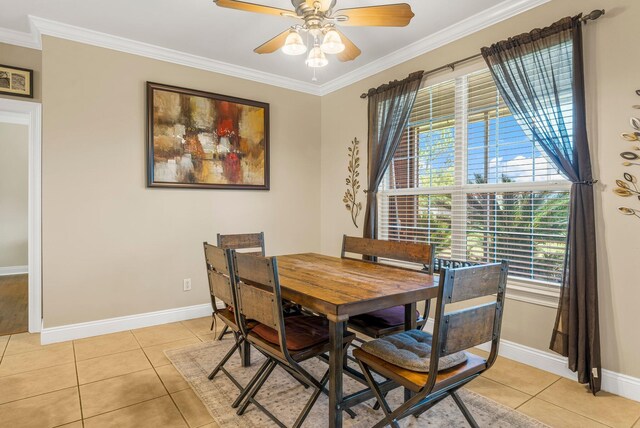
x=465, y=328
x=258, y=291
x=248, y=243
x=218, y=272
x=412, y=252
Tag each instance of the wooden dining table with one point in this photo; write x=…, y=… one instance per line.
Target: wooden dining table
x=340, y=288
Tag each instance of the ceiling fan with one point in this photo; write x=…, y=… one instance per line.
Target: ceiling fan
x=319, y=22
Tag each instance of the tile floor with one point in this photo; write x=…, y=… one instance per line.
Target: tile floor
x=124, y=380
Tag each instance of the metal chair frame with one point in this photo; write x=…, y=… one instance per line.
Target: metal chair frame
x=267, y=283
x=432, y=392
x=233, y=242
x=226, y=272
x=239, y=338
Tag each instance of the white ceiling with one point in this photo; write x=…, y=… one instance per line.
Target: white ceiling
x=201, y=28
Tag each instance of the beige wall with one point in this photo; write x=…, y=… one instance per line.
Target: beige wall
x=111, y=246
x=612, y=79
x=18, y=56
x=14, y=194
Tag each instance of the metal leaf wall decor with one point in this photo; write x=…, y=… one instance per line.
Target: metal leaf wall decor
x=628, y=187
x=353, y=182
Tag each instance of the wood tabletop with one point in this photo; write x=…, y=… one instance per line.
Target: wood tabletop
x=340, y=288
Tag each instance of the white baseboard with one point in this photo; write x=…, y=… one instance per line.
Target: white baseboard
x=615, y=383
x=114, y=325
x=14, y=270
x=547, y=361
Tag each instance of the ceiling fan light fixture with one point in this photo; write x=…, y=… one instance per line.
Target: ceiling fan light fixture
x=294, y=45
x=316, y=58
x=332, y=42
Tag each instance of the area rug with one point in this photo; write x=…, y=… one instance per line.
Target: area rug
x=285, y=397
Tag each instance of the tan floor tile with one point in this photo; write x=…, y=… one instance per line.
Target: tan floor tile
x=3, y=344
x=637, y=424
x=76, y=424
x=497, y=392
x=606, y=408
x=18, y=363
x=47, y=410
x=156, y=353
x=192, y=408
x=112, y=365
x=522, y=377
x=171, y=378
x=555, y=416
x=104, y=345
x=29, y=342
x=200, y=325
x=160, y=412
x=211, y=425
x=117, y=392
x=151, y=336
x=36, y=382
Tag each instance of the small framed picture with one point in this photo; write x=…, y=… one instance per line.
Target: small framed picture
x=16, y=81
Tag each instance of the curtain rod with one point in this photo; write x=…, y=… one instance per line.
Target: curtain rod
x=595, y=14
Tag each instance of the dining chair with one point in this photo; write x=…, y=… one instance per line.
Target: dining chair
x=222, y=286
x=387, y=321
x=435, y=366
x=284, y=341
x=249, y=243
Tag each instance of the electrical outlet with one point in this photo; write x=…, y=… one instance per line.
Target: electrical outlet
x=186, y=286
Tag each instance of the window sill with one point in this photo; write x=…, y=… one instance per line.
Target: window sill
x=534, y=293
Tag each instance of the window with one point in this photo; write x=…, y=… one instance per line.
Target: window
x=469, y=180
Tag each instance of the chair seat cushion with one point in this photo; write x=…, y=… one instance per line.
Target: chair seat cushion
x=411, y=350
x=302, y=331
x=388, y=317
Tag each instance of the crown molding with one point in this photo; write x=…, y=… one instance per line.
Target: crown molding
x=95, y=38
x=41, y=26
x=467, y=26
x=29, y=40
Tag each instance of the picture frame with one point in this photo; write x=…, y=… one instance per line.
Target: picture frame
x=16, y=81
x=203, y=140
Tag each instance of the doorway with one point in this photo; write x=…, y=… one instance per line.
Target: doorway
x=14, y=212
x=20, y=230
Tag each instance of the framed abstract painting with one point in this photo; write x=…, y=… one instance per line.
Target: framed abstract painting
x=201, y=140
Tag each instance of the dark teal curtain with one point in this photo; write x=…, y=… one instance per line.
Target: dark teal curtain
x=390, y=106
x=540, y=77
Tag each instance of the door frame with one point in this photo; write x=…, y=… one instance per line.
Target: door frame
x=30, y=113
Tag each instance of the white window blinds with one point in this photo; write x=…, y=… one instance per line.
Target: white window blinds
x=469, y=180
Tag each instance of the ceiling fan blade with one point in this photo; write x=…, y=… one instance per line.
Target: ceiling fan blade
x=251, y=7
x=274, y=44
x=391, y=15
x=350, y=52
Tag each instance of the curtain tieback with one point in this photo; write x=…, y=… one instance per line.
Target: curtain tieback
x=586, y=182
